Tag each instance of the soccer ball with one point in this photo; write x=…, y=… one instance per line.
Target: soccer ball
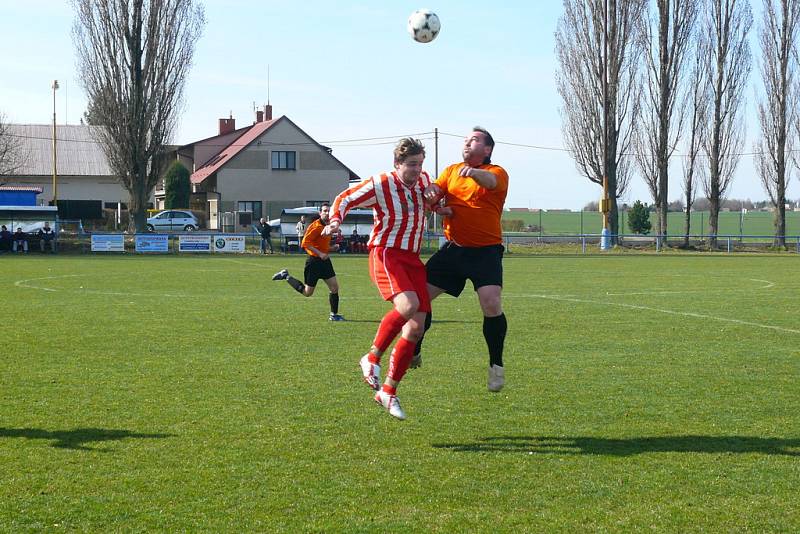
x=424, y=25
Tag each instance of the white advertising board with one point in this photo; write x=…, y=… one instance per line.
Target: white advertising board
x=108, y=243
x=152, y=243
x=229, y=243
x=194, y=243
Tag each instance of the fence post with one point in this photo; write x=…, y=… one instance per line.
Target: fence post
x=583, y=244
x=729, y=245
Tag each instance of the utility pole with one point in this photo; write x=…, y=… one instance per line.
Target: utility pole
x=55, y=167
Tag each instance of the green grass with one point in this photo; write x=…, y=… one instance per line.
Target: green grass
x=193, y=394
x=754, y=222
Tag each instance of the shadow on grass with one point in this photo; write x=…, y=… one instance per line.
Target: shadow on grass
x=75, y=439
x=435, y=322
x=628, y=447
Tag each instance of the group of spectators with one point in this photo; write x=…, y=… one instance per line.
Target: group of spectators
x=18, y=241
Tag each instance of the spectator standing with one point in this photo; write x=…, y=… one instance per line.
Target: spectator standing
x=301, y=228
x=266, y=239
x=5, y=239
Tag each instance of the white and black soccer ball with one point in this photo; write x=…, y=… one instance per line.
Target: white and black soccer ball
x=424, y=25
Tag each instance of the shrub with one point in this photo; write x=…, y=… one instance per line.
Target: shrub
x=639, y=218
x=177, y=186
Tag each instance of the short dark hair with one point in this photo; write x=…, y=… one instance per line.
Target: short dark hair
x=406, y=147
x=323, y=205
x=489, y=141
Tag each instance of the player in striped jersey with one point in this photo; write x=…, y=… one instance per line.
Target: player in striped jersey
x=394, y=244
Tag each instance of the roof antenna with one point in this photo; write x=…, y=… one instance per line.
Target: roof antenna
x=267, y=83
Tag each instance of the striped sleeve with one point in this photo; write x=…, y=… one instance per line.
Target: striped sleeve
x=359, y=196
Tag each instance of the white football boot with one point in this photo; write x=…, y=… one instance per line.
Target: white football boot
x=497, y=378
x=391, y=403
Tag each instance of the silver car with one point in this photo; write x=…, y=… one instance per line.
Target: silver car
x=173, y=221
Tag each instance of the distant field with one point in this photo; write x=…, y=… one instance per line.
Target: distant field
x=754, y=223
x=175, y=393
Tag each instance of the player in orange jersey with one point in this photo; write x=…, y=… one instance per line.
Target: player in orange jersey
x=397, y=200
x=318, y=264
x=475, y=190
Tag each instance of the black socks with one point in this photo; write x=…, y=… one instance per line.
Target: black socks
x=333, y=299
x=418, y=347
x=494, y=331
x=296, y=284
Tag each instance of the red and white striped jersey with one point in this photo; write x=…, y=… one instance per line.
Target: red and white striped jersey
x=399, y=210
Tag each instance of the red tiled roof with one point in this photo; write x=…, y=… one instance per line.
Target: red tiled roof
x=225, y=155
x=31, y=188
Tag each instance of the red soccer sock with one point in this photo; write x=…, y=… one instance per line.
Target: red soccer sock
x=402, y=355
x=391, y=325
x=389, y=389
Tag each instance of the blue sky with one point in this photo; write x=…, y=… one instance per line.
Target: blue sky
x=348, y=70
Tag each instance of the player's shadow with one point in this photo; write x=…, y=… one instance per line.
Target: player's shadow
x=627, y=447
x=77, y=438
x=435, y=321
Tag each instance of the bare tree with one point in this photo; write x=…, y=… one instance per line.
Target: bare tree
x=725, y=49
x=134, y=56
x=665, y=39
x=10, y=149
x=692, y=169
x=777, y=108
x=579, y=45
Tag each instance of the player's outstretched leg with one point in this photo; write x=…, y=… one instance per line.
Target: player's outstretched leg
x=296, y=284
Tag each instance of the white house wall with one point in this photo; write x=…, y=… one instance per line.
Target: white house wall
x=249, y=175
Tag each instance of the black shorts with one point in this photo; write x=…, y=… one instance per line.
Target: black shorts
x=452, y=266
x=317, y=269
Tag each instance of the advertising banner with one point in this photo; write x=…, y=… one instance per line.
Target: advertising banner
x=108, y=243
x=152, y=243
x=194, y=243
x=229, y=243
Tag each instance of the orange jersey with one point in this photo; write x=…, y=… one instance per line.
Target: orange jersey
x=314, y=238
x=476, y=210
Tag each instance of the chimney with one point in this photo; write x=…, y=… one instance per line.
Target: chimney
x=268, y=112
x=227, y=125
x=259, y=116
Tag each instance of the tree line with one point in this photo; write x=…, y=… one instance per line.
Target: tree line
x=644, y=82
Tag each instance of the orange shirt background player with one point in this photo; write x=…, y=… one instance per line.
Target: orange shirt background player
x=313, y=237
x=476, y=210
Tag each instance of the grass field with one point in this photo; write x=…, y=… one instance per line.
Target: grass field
x=194, y=394
x=730, y=223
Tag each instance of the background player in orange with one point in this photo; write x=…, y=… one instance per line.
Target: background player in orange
x=318, y=264
x=397, y=199
x=475, y=191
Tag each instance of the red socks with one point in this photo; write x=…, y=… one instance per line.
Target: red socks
x=402, y=355
x=391, y=325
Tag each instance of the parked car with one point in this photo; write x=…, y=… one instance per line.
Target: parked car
x=173, y=221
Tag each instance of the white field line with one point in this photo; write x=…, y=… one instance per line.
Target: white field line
x=28, y=285
x=660, y=310
x=767, y=285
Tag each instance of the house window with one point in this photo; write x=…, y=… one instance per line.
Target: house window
x=283, y=160
x=255, y=207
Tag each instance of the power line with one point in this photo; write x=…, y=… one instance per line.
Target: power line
x=425, y=136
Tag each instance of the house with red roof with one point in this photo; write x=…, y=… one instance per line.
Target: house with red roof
x=261, y=169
